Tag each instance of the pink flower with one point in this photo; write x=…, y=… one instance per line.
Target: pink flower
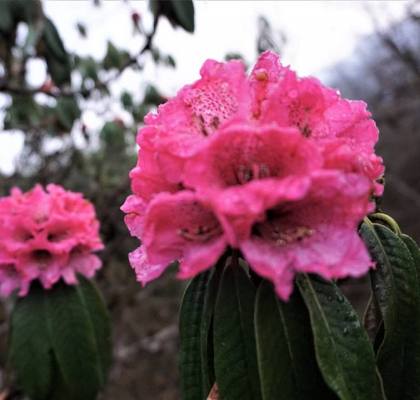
x=178, y=227
x=315, y=233
x=320, y=113
x=183, y=124
x=279, y=167
x=243, y=169
x=199, y=110
x=46, y=236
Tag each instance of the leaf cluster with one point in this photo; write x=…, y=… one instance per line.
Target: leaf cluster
x=251, y=345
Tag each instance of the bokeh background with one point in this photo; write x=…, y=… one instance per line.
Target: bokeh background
x=77, y=78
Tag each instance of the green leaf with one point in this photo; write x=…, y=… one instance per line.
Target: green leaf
x=235, y=360
x=30, y=350
x=6, y=17
x=415, y=254
x=127, y=100
x=413, y=391
x=190, y=332
x=170, y=61
x=67, y=112
x=112, y=136
x=396, y=287
x=98, y=313
x=372, y=319
x=61, y=342
x=88, y=67
x=81, y=28
x=179, y=13
x=184, y=12
x=29, y=11
x=114, y=58
x=58, y=61
x=286, y=356
x=206, y=332
x=343, y=351
x=24, y=111
x=74, y=340
x=53, y=42
x=152, y=96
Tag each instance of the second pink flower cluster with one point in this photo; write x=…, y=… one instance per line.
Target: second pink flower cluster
x=277, y=166
x=45, y=236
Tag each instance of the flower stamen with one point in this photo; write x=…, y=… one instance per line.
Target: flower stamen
x=201, y=233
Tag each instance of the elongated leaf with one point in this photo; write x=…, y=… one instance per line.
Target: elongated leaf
x=114, y=58
x=286, y=356
x=206, y=333
x=234, y=340
x=190, y=331
x=61, y=342
x=178, y=13
x=397, y=290
x=73, y=339
x=343, y=351
x=413, y=391
x=99, y=318
x=58, y=61
x=184, y=11
x=67, y=112
x=53, y=41
x=30, y=349
x=6, y=17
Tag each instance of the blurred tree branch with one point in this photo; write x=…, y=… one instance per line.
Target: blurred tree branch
x=400, y=51
x=55, y=92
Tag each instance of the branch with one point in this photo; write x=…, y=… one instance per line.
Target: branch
x=404, y=54
x=56, y=92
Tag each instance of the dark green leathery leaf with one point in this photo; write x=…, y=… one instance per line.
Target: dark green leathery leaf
x=343, y=350
x=67, y=331
x=235, y=360
x=396, y=287
x=190, y=324
x=286, y=356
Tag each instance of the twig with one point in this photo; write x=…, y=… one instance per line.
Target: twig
x=55, y=92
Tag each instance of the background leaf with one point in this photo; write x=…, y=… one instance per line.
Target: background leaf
x=67, y=111
x=74, y=342
x=6, y=17
x=30, y=349
x=58, y=61
x=178, y=13
x=98, y=313
x=61, y=342
x=184, y=11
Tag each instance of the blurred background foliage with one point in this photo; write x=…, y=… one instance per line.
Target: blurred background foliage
x=59, y=147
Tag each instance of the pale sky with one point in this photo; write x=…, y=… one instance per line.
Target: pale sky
x=320, y=33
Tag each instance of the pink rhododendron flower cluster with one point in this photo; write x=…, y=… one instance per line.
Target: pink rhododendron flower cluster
x=46, y=236
x=280, y=167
